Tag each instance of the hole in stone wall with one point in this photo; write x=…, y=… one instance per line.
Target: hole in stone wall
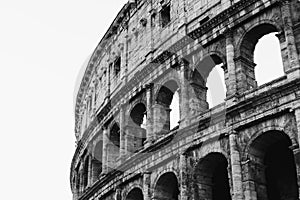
x=267, y=56
x=167, y=187
x=211, y=178
x=135, y=194
x=275, y=170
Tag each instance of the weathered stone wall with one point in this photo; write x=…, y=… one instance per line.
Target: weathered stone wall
x=146, y=57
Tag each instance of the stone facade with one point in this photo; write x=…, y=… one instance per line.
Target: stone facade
x=245, y=148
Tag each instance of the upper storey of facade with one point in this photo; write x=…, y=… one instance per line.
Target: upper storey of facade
x=141, y=32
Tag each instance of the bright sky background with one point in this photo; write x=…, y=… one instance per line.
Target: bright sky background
x=43, y=45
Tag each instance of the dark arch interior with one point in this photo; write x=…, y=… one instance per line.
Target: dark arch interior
x=138, y=113
x=166, y=92
x=276, y=177
x=85, y=172
x=135, y=194
x=114, y=136
x=97, y=161
x=167, y=187
x=211, y=178
x=136, y=130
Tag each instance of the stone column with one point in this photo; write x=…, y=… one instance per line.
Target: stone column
x=297, y=162
x=104, y=152
x=108, y=81
x=297, y=150
x=236, y=170
x=89, y=171
x=149, y=128
x=147, y=185
x=232, y=83
x=183, y=178
x=294, y=70
x=248, y=181
x=122, y=133
x=118, y=194
x=161, y=119
x=184, y=94
x=81, y=188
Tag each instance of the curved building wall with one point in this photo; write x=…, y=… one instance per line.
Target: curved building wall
x=154, y=49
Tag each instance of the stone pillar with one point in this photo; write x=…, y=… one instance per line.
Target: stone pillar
x=297, y=162
x=232, y=83
x=248, y=181
x=81, y=188
x=94, y=170
x=297, y=150
x=184, y=94
x=89, y=171
x=149, y=128
x=197, y=98
x=161, y=119
x=297, y=116
x=147, y=185
x=104, y=152
x=183, y=178
x=118, y=194
x=236, y=170
x=108, y=81
x=122, y=133
x=294, y=67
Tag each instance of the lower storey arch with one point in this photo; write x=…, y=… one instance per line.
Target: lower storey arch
x=166, y=187
x=210, y=178
x=135, y=194
x=272, y=166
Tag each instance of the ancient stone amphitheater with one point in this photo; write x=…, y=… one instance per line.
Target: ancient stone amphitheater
x=247, y=147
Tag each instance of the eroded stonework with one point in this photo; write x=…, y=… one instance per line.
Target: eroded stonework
x=244, y=148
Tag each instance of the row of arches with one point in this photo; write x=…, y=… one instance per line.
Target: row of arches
x=206, y=82
x=271, y=169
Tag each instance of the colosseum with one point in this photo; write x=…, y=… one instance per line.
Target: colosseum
x=157, y=51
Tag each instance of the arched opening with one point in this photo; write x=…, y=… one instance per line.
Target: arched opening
x=113, y=145
x=215, y=83
x=208, y=84
x=268, y=60
x=211, y=178
x=97, y=161
x=275, y=171
x=135, y=194
x=167, y=187
x=135, y=131
x=167, y=105
x=246, y=67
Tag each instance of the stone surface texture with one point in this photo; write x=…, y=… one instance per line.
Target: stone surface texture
x=244, y=148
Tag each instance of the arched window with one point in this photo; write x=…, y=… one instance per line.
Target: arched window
x=211, y=176
x=167, y=104
x=167, y=187
x=268, y=60
x=215, y=83
x=113, y=147
x=208, y=84
x=245, y=63
x=97, y=161
x=136, y=132
x=135, y=194
x=275, y=175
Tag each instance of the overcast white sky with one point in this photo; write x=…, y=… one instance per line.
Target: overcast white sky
x=43, y=44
